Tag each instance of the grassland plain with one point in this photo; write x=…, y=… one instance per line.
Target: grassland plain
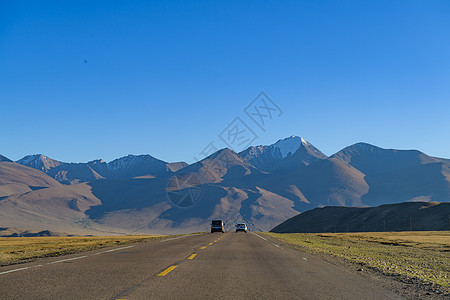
x=413, y=257
x=22, y=249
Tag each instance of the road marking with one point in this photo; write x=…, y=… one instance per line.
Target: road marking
x=260, y=236
x=68, y=259
x=116, y=249
x=305, y=259
x=178, y=237
x=210, y=244
x=175, y=238
x=167, y=271
x=15, y=270
x=215, y=241
x=192, y=256
x=63, y=260
x=275, y=245
x=204, y=247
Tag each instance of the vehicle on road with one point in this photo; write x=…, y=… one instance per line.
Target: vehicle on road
x=217, y=226
x=241, y=227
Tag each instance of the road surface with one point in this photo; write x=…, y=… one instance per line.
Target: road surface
x=202, y=266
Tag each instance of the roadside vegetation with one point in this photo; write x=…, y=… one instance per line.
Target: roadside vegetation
x=21, y=249
x=420, y=257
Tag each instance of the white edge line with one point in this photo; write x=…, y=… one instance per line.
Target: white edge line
x=84, y=256
x=112, y=250
x=276, y=245
x=15, y=270
x=178, y=237
x=63, y=260
x=259, y=236
x=68, y=259
x=21, y=269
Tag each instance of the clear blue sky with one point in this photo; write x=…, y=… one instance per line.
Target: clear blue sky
x=86, y=80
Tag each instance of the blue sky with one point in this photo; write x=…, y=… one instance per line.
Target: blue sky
x=86, y=80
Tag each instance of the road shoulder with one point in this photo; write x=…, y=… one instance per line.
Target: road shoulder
x=410, y=289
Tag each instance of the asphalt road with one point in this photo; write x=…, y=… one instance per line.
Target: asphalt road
x=203, y=266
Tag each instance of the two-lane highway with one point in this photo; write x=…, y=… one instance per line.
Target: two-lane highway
x=231, y=265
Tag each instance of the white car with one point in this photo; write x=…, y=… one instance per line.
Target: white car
x=241, y=227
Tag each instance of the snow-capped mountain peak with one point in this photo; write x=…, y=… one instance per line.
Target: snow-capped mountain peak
x=289, y=145
x=287, y=152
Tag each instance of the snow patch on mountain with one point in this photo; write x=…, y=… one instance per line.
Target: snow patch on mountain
x=289, y=145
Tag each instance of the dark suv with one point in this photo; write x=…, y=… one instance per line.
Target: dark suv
x=217, y=225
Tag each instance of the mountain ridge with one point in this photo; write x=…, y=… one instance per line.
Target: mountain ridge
x=142, y=194
x=124, y=167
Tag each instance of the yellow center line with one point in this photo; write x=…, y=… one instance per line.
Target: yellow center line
x=167, y=271
x=210, y=244
x=204, y=247
x=192, y=256
x=215, y=241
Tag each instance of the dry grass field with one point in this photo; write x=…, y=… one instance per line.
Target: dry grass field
x=419, y=256
x=18, y=249
x=432, y=240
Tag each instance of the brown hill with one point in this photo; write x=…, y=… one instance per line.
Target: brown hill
x=18, y=232
x=399, y=175
x=371, y=160
x=60, y=208
x=391, y=217
x=18, y=179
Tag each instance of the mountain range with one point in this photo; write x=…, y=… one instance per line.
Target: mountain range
x=262, y=186
x=126, y=167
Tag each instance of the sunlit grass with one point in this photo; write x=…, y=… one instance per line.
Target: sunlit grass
x=423, y=256
x=16, y=249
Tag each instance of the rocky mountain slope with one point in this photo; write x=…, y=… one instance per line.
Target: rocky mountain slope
x=291, y=152
x=125, y=167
